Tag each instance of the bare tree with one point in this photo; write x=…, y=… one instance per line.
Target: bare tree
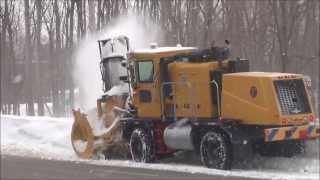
x=28, y=66
x=318, y=59
x=56, y=74
x=38, y=51
x=275, y=35
x=285, y=16
x=3, y=55
x=92, y=20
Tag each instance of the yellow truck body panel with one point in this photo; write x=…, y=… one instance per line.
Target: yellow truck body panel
x=251, y=98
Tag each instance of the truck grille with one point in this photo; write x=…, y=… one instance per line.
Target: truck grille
x=292, y=97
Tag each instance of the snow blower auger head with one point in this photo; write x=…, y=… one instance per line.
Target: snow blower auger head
x=82, y=137
x=99, y=131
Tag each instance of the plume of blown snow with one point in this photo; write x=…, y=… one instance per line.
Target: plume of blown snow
x=140, y=31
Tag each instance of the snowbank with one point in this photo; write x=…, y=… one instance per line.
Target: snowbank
x=40, y=136
x=49, y=138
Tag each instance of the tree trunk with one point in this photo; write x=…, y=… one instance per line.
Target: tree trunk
x=52, y=65
x=80, y=22
x=28, y=61
x=91, y=16
x=283, y=39
x=71, y=56
x=56, y=77
x=99, y=15
x=38, y=76
x=11, y=75
x=84, y=19
x=318, y=60
x=3, y=57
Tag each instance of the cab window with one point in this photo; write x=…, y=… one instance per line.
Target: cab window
x=145, y=69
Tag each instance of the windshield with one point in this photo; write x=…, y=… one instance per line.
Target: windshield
x=145, y=71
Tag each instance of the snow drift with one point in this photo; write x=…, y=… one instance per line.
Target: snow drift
x=39, y=136
x=49, y=138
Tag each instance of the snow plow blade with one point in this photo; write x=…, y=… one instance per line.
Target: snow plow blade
x=99, y=132
x=82, y=137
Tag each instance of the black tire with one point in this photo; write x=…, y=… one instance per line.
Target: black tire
x=141, y=146
x=216, y=151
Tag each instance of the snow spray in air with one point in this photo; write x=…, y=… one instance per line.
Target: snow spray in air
x=86, y=72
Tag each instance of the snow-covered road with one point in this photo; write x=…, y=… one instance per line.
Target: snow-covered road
x=49, y=138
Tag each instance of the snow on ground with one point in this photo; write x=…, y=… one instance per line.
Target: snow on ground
x=39, y=136
x=49, y=138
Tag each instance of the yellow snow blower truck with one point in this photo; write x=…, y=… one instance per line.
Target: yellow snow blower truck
x=162, y=100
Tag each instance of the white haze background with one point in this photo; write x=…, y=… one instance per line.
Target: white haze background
x=86, y=73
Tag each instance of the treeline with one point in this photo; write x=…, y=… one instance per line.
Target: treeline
x=38, y=39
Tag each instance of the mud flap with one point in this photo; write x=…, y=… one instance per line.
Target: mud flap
x=241, y=143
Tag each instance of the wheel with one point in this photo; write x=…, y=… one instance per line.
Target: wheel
x=141, y=146
x=216, y=151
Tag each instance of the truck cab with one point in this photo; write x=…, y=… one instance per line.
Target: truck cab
x=146, y=78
